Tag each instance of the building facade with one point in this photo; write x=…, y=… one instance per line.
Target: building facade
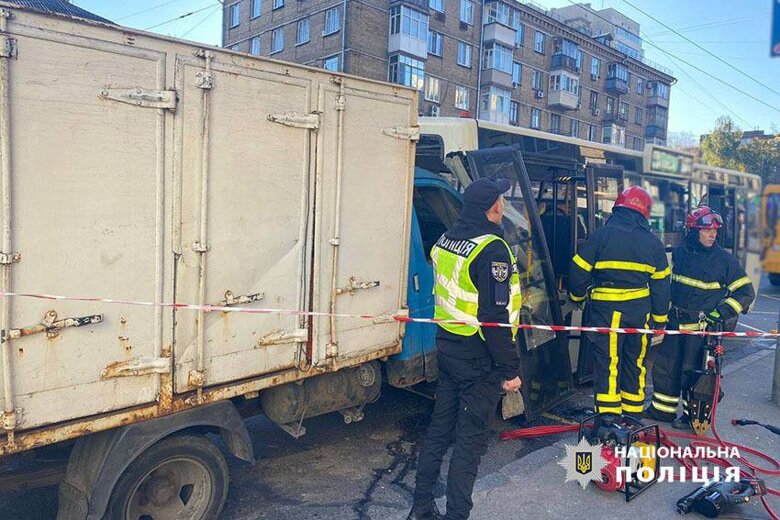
x=509, y=62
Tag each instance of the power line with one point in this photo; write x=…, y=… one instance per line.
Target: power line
x=201, y=22
x=704, y=49
x=147, y=10
x=719, y=80
x=182, y=16
x=709, y=25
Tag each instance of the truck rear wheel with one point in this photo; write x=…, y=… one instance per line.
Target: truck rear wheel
x=180, y=477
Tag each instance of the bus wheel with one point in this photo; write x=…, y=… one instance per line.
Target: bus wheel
x=774, y=278
x=180, y=477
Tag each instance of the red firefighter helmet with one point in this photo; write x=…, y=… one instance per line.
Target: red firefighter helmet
x=635, y=198
x=703, y=218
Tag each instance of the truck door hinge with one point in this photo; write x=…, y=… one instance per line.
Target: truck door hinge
x=296, y=120
x=232, y=300
x=140, y=366
x=52, y=326
x=410, y=133
x=141, y=97
x=354, y=285
x=8, y=47
x=10, y=258
x=204, y=80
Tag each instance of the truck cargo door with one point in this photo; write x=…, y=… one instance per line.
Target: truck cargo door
x=244, y=137
x=366, y=152
x=87, y=221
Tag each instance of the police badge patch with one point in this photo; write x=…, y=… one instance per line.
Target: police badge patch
x=500, y=271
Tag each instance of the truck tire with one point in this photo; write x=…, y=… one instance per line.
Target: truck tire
x=774, y=279
x=182, y=477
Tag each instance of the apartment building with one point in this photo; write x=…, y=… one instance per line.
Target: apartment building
x=506, y=61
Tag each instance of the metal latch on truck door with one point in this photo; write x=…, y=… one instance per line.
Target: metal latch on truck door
x=296, y=120
x=354, y=285
x=52, y=326
x=411, y=133
x=231, y=300
x=141, y=97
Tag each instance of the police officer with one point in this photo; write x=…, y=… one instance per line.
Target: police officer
x=705, y=279
x=475, y=280
x=622, y=272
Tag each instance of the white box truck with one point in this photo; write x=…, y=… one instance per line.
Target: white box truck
x=156, y=171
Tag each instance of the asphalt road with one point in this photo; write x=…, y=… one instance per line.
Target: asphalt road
x=362, y=471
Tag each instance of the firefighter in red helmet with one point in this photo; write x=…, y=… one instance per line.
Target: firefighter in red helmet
x=705, y=279
x=622, y=274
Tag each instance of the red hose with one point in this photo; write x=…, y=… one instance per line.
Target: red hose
x=687, y=462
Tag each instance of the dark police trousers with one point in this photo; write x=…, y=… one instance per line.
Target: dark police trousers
x=619, y=359
x=467, y=394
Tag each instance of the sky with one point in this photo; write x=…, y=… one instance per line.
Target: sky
x=736, y=31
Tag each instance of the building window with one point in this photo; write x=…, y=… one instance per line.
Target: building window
x=619, y=71
x=278, y=4
x=408, y=21
x=514, y=113
x=595, y=68
x=610, y=106
x=436, y=5
x=660, y=90
x=555, y=123
x=432, y=89
x=498, y=12
x=536, y=82
x=575, y=128
x=254, y=45
x=302, y=36
x=333, y=63
x=638, y=113
x=461, y=97
x=332, y=21
x=236, y=47
x=637, y=143
x=563, y=82
x=235, y=15
x=594, y=100
x=277, y=40
x=406, y=70
x=539, y=42
x=519, y=29
x=623, y=114
x=614, y=135
x=497, y=57
x=467, y=11
x=536, y=116
x=495, y=105
x=464, y=54
x=517, y=73
x=434, y=43
x=593, y=134
x=640, y=86
x=257, y=6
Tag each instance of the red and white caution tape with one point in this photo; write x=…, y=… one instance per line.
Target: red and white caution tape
x=392, y=317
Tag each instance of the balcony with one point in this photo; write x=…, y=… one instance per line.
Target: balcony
x=406, y=44
x=657, y=101
x=562, y=99
x=615, y=117
x=617, y=86
x=420, y=5
x=497, y=32
x=655, y=131
x=561, y=61
x=497, y=77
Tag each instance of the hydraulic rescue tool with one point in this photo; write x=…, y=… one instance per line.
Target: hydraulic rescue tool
x=699, y=389
x=718, y=497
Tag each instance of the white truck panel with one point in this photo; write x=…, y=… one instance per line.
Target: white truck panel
x=106, y=201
